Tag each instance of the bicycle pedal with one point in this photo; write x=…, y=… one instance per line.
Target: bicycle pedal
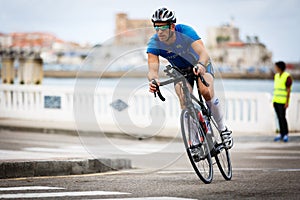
x=219, y=147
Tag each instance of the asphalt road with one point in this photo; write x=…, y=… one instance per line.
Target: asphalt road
x=262, y=169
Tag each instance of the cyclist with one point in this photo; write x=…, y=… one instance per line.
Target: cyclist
x=183, y=48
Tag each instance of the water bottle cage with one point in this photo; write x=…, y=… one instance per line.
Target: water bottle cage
x=202, y=122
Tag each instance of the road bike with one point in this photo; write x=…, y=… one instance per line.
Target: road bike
x=200, y=133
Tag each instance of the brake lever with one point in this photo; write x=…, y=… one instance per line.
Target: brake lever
x=158, y=91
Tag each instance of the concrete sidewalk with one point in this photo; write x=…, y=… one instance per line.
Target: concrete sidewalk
x=27, y=154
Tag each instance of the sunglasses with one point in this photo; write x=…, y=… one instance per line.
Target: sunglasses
x=162, y=28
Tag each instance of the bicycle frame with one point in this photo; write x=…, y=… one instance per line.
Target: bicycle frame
x=178, y=76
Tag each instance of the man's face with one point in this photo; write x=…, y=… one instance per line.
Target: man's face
x=277, y=69
x=162, y=29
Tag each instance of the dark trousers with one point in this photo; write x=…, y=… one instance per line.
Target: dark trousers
x=280, y=111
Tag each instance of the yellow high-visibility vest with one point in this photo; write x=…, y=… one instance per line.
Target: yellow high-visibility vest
x=280, y=90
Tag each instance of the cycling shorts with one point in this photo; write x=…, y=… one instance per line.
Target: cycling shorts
x=191, y=76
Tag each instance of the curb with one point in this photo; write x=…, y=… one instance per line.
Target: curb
x=11, y=169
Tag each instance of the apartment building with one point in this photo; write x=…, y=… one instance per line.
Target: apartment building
x=226, y=48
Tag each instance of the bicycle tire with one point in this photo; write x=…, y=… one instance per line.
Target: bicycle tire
x=224, y=164
x=203, y=168
x=223, y=156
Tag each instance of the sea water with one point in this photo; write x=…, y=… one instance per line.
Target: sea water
x=239, y=85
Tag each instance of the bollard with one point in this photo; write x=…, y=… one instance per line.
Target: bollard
x=30, y=68
x=31, y=71
x=21, y=76
x=37, y=70
x=28, y=71
x=7, y=70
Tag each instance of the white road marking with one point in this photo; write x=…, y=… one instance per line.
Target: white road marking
x=151, y=198
x=71, y=194
x=59, y=194
x=176, y=172
x=278, y=157
x=288, y=170
x=30, y=188
x=54, y=150
x=267, y=169
x=233, y=169
x=149, y=148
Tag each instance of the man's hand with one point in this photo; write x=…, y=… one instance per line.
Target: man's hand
x=152, y=86
x=199, y=69
x=286, y=105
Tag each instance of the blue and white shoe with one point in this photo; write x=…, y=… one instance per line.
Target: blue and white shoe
x=285, y=138
x=277, y=138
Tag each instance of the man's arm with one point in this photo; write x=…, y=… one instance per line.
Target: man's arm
x=288, y=89
x=288, y=83
x=200, y=49
x=153, y=67
x=287, y=97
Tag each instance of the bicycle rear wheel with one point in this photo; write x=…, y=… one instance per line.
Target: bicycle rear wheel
x=189, y=126
x=222, y=154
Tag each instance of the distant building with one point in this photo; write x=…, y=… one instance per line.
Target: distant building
x=32, y=39
x=130, y=34
x=5, y=40
x=132, y=31
x=50, y=48
x=222, y=34
x=226, y=48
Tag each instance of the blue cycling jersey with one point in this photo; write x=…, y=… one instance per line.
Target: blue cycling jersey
x=180, y=53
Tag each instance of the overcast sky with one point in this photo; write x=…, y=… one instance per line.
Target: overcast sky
x=275, y=22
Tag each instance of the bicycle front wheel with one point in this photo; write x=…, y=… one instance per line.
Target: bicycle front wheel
x=190, y=128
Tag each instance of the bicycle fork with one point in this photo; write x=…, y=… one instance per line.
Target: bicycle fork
x=204, y=122
x=195, y=139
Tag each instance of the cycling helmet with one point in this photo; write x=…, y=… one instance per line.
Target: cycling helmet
x=163, y=15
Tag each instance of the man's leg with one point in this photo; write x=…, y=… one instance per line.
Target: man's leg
x=283, y=121
x=216, y=109
x=212, y=101
x=279, y=136
x=281, y=113
x=179, y=92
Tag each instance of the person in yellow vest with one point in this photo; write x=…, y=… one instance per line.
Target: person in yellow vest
x=281, y=97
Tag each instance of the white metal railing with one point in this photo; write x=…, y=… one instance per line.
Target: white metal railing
x=246, y=112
